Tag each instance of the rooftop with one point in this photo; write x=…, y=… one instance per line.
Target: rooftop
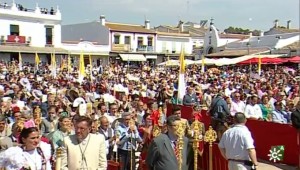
x=128, y=28
x=237, y=52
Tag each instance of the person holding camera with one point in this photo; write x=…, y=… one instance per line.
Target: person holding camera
x=237, y=145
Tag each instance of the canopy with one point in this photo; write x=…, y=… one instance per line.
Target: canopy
x=132, y=57
x=176, y=62
x=295, y=59
x=263, y=61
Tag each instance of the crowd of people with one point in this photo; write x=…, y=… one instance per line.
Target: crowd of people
x=105, y=117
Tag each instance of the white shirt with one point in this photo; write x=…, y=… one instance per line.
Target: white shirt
x=106, y=141
x=253, y=111
x=237, y=107
x=236, y=141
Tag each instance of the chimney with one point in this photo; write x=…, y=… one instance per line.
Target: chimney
x=180, y=25
x=288, y=26
x=147, y=24
x=102, y=20
x=276, y=23
x=261, y=33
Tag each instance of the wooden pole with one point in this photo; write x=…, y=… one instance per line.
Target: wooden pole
x=58, y=158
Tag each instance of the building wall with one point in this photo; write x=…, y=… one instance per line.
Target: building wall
x=133, y=39
x=31, y=24
x=27, y=58
x=174, y=44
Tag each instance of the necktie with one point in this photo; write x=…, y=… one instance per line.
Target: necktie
x=176, y=150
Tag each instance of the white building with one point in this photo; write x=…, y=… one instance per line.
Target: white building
x=29, y=31
x=171, y=44
x=131, y=42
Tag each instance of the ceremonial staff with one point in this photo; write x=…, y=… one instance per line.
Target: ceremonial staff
x=180, y=131
x=59, y=151
x=132, y=128
x=196, y=130
x=210, y=137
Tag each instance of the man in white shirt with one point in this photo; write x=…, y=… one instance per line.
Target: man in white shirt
x=253, y=110
x=237, y=105
x=108, y=134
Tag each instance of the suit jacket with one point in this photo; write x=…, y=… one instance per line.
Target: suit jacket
x=93, y=150
x=161, y=155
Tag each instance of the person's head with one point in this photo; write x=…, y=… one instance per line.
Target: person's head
x=265, y=99
x=126, y=118
x=52, y=114
x=83, y=126
x=172, y=122
x=113, y=108
x=176, y=111
x=254, y=100
x=17, y=116
x=64, y=123
x=237, y=96
x=190, y=90
x=278, y=105
x=30, y=138
x=94, y=128
x=140, y=106
x=104, y=123
x=102, y=108
x=2, y=123
x=240, y=118
x=16, y=130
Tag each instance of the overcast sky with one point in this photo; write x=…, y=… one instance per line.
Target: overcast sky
x=253, y=14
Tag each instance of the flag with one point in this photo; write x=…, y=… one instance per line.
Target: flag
x=203, y=64
x=276, y=153
x=81, y=67
x=69, y=63
x=168, y=61
x=91, y=67
x=20, y=62
x=181, y=79
x=37, y=61
x=259, y=65
x=53, y=65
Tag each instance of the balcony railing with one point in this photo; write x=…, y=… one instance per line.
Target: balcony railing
x=121, y=47
x=14, y=40
x=145, y=48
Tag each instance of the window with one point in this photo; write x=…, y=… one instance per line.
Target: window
x=14, y=30
x=127, y=39
x=140, y=41
x=49, y=35
x=150, y=41
x=116, y=39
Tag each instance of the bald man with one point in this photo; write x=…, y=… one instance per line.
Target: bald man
x=108, y=134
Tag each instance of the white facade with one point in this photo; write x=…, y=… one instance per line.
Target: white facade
x=98, y=52
x=134, y=38
x=32, y=25
x=172, y=44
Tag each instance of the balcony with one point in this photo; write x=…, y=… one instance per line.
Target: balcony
x=121, y=47
x=15, y=40
x=145, y=48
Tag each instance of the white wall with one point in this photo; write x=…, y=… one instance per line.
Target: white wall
x=133, y=39
x=31, y=24
x=36, y=31
x=174, y=44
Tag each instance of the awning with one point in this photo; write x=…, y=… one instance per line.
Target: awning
x=151, y=56
x=28, y=49
x=132, y=57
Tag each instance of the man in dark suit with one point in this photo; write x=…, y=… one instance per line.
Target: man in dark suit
x=162, y=151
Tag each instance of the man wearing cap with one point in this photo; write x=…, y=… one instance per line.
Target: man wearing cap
x=128, y=136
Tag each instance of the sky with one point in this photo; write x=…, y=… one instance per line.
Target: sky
x=251, y=14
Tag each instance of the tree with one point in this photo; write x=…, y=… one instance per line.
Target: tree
x=236, y=30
